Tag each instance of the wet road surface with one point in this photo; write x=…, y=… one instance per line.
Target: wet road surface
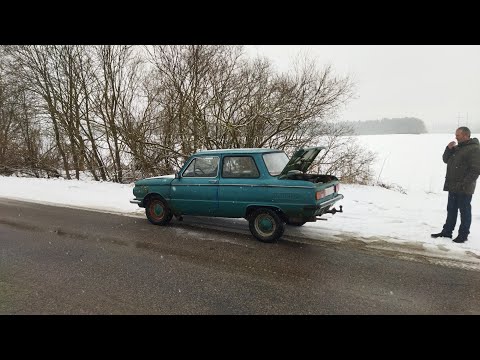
x=56, y=260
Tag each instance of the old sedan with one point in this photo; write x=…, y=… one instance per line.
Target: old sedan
x=260, y=185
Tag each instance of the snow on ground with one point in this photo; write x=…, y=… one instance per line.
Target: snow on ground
x=413, y=162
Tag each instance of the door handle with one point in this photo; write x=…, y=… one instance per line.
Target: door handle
x=213, y=181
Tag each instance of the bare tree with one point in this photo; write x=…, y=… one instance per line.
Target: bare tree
x=85, y=73
x=8, y=127
x=116, y=78
x=23, y=146
x=343, y=156
x=123, y=111
x=35, y=67
x=241, y=103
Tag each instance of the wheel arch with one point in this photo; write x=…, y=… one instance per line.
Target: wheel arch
x=251, y=208
x=149, y=196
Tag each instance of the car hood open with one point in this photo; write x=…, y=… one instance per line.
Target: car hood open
x=302, y=159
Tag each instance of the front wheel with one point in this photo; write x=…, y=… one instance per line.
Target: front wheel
x=266, y=225
x=158, y=212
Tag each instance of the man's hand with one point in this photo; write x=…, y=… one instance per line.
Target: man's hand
x=451, y=144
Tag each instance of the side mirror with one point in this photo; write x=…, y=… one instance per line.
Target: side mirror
x=177, y=175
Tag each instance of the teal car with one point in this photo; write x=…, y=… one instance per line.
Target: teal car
x=263, y=186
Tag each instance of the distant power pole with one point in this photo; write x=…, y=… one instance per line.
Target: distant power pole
x=458, y=120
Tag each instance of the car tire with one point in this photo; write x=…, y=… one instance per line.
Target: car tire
x=266, y=225
x=296, y=223
x=157, y=211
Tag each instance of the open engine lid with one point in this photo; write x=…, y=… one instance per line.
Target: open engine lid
x=302, y=159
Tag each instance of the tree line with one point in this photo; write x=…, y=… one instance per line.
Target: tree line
x=406, y=125
x=124, y=112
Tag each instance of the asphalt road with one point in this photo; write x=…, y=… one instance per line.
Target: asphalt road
x=56, y=260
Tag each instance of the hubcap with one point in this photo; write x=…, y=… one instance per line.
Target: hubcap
x=265, y=225
x=156, y=210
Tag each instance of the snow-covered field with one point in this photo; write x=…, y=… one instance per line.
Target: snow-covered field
x=413, y=162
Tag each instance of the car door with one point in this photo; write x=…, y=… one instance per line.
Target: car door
x=195, y=192
x=240, y=185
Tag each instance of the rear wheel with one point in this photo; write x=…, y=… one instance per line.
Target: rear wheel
x=157, y=211
x=266, y=225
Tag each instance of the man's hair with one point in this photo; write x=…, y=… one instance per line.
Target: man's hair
x=465, y=130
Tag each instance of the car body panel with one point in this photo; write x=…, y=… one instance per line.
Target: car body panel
x=227, y=194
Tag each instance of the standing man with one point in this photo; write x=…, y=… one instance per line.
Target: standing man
x=463, y=169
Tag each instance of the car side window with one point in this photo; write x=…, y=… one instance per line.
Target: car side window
x=202, y=167
x=239, y=167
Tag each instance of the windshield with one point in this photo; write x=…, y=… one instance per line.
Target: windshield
x=275, y=162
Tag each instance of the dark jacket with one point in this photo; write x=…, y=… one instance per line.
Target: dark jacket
x=463, y=167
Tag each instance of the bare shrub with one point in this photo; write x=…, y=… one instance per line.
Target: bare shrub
x=392, y=186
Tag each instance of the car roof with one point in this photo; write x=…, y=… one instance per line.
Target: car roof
x=237, y=151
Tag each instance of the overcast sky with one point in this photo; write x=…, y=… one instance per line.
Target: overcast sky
x=435, y=83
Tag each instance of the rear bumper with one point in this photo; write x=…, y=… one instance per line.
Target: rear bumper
x=320, y=208
x=329, y=202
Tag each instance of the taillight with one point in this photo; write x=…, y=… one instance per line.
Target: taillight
x=337, y=188
x=319, y=194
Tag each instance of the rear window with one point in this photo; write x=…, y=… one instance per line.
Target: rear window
x=275, y=162
x=239, y=167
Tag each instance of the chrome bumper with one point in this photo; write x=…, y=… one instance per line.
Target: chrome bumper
x=330, y=202
x=135, y=201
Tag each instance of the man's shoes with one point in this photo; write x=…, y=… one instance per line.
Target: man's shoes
x=460, y=239
x=441, y=234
